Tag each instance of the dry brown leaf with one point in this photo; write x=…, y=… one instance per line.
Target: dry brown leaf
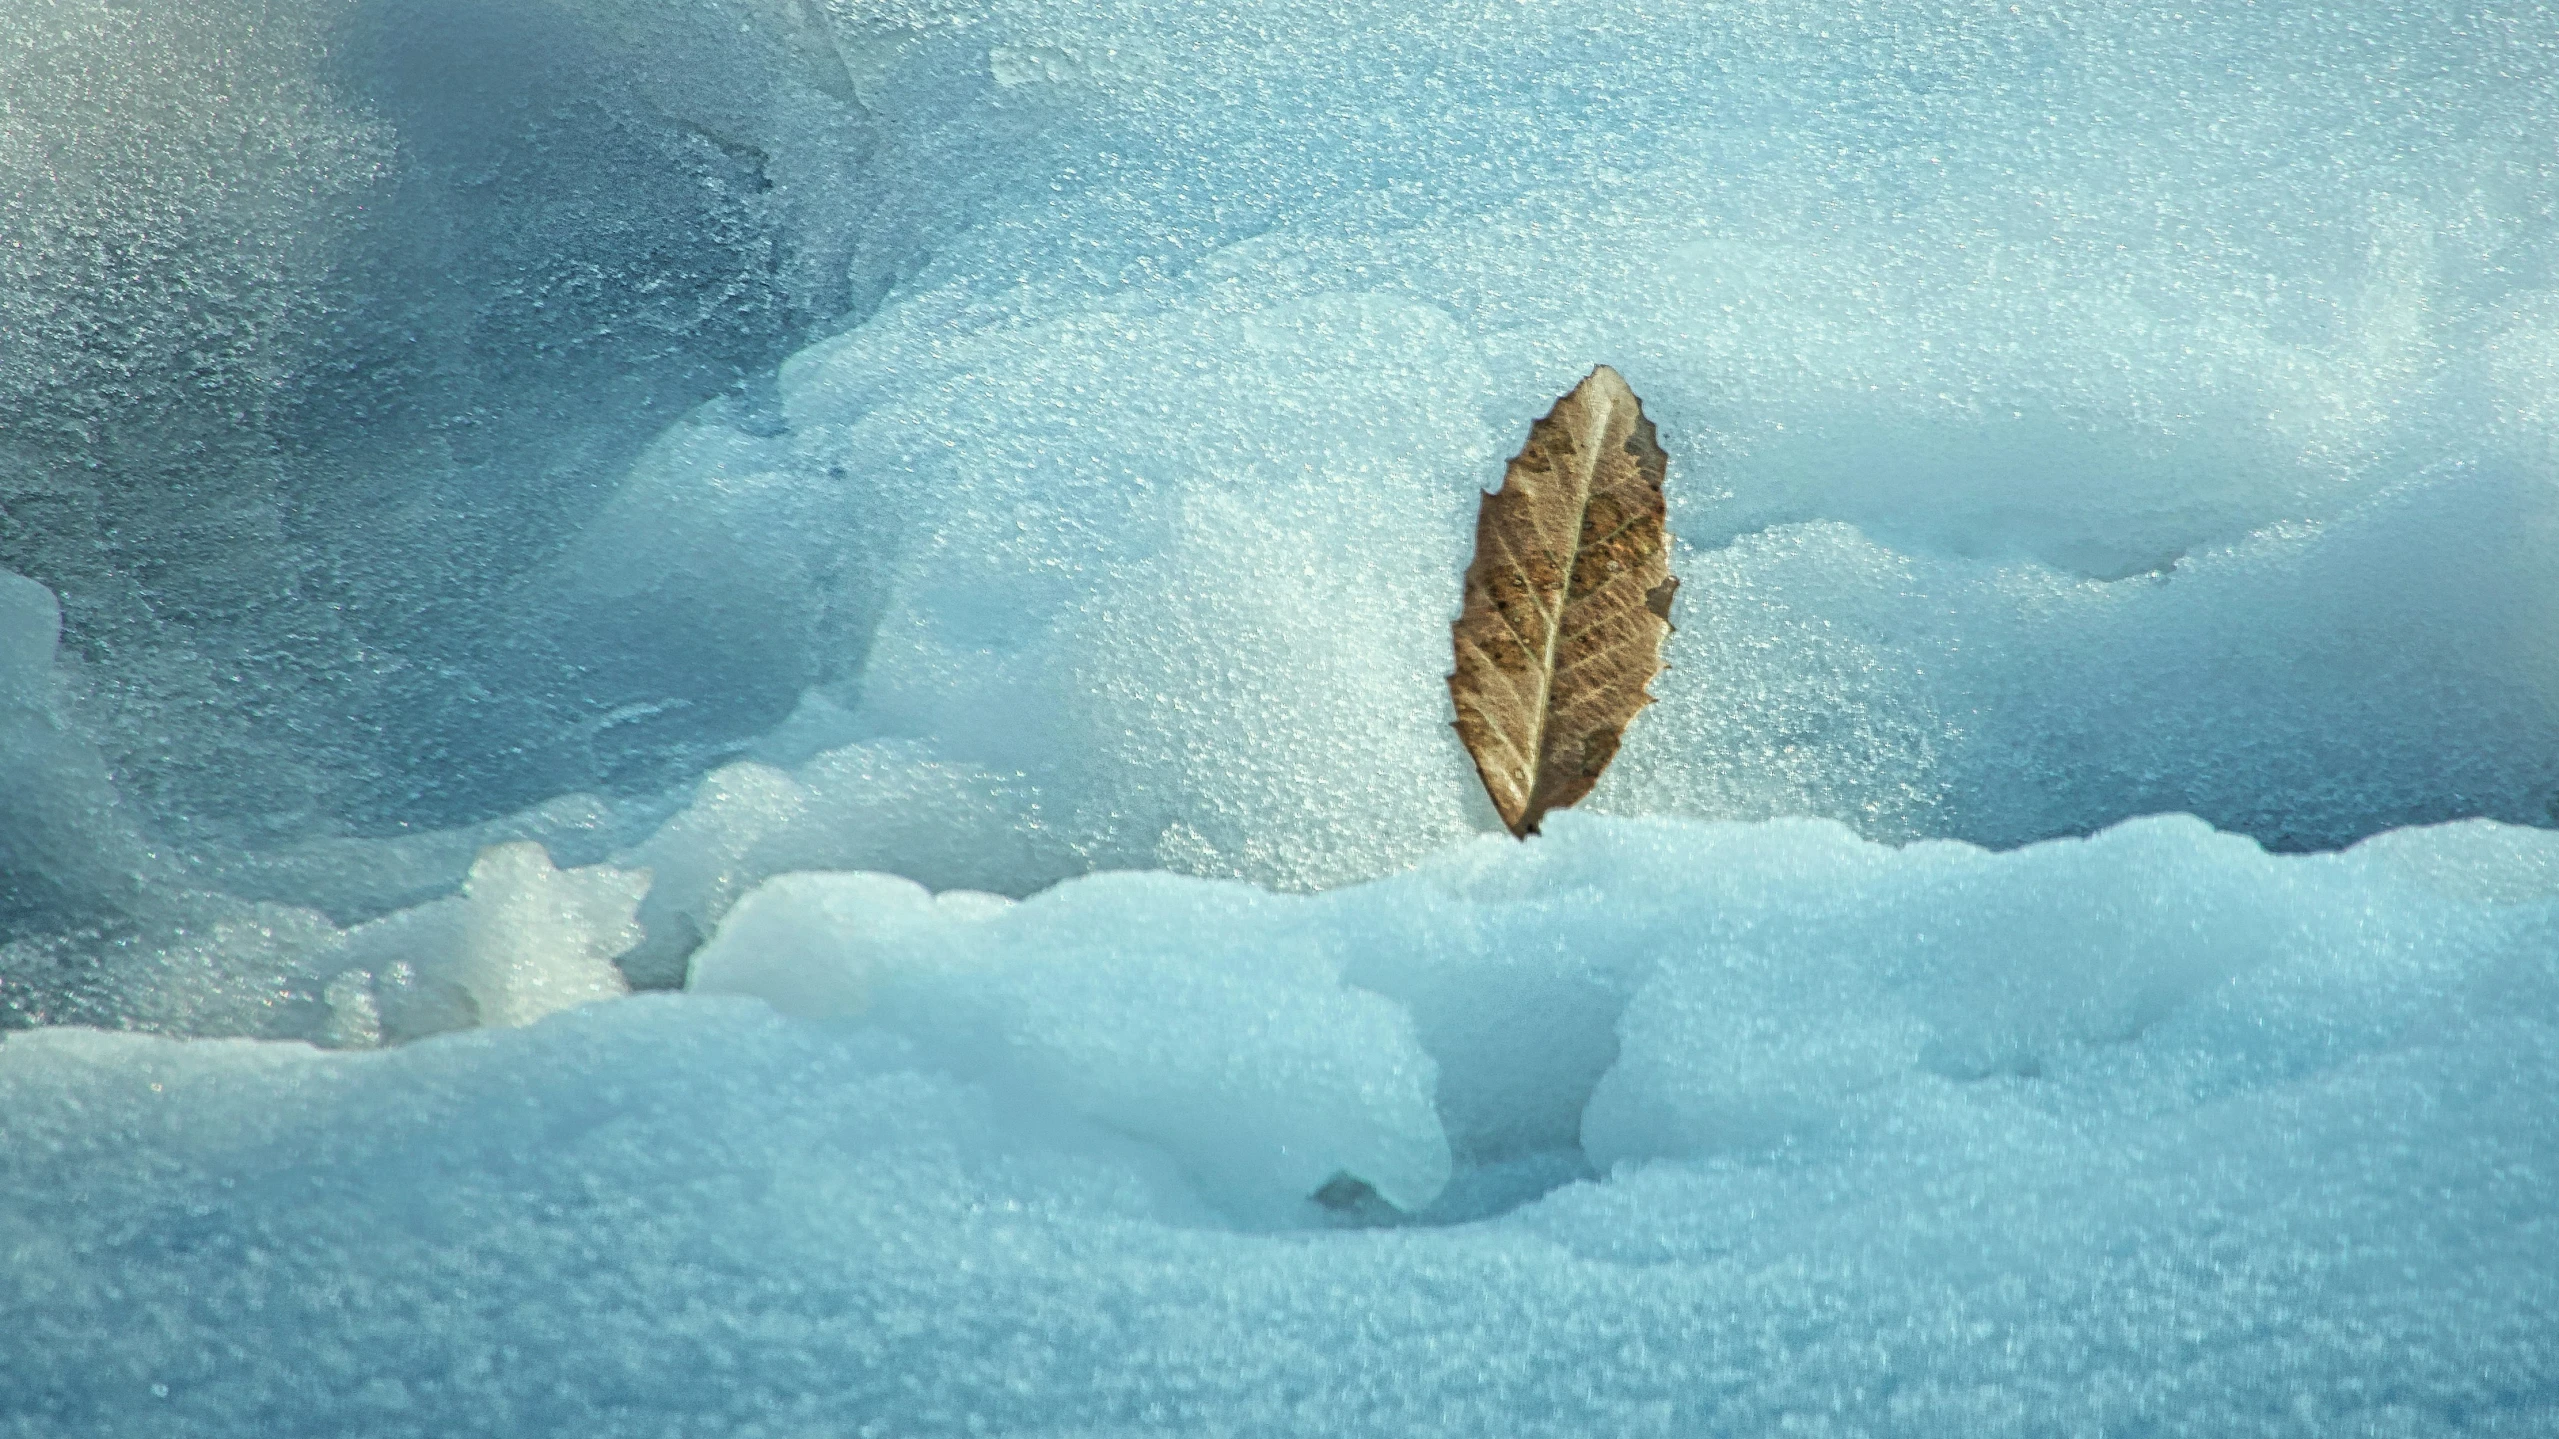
x=1567, y=603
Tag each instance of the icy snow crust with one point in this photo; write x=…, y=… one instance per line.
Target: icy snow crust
x=1760, y=1129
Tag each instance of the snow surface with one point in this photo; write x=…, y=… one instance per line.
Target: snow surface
x=935, y=521
x=1756, y=1128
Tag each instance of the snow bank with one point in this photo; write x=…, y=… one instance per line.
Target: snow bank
x=1756, y=1126
x=2040, y=466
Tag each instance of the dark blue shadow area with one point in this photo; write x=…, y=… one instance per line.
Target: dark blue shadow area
x=289, y=516
x=559, y=269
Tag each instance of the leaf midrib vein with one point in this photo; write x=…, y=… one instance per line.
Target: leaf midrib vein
x=1586, y=475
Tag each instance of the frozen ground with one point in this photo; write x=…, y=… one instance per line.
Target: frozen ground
x=505, y=505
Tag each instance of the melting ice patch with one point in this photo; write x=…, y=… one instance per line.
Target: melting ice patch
x=1738, y=1123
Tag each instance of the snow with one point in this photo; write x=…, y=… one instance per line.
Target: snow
x=930, y=525
x=1253, y=1065
x=2038, y=467
x=522, y=940
x=1754, y=1126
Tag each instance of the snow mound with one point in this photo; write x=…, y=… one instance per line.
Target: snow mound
x=1166, y=1010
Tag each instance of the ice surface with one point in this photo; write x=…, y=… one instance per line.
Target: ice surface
x=2151, y=1132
